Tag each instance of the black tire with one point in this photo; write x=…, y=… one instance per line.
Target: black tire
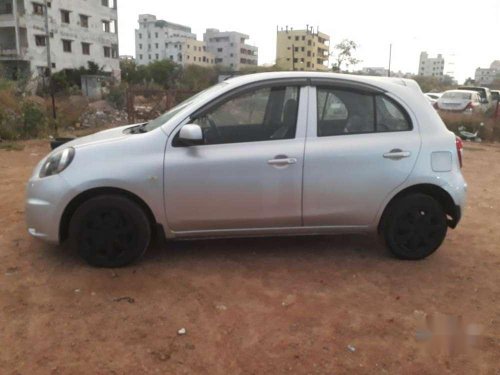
x=110, y=231
x=414, y=226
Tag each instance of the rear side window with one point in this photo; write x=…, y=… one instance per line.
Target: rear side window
x=343, y=112
x=390, y=116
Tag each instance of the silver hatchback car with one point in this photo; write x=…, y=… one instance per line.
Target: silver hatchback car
x=267, y=154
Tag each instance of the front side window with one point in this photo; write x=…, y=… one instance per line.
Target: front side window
x=263, y=114
x=343, y=111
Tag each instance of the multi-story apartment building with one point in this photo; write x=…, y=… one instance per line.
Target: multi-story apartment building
x=231, y=49
x=486, y=76
x=79, y=31
x=161, y=40
x=431, y=66
x=302, y=49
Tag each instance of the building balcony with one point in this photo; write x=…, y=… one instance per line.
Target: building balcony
x=10, y=53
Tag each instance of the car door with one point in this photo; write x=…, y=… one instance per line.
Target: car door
x=248, y=172
x=361, y=144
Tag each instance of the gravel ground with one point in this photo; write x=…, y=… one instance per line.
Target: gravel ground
x=319, y=305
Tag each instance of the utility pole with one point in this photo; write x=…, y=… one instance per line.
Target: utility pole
x=390, y=58
x=49, y=65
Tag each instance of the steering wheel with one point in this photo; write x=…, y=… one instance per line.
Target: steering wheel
x=213, y=127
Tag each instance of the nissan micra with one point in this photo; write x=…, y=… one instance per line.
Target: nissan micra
x=258, y=155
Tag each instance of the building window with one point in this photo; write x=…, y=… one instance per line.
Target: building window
x=105, y=3
x=140, y=57
x=296, y=49
x=40, y=40
x=84, y=21
x=303, y=38
x=140, y=46
x=156, y=45
x=156, y=35
x=219, y=49
x=7, y=9
x=140, y=36
x=296, y=38
x=38, y=9
x=107, y=51
x=149, y=56
x=157, y=57
x=86, y=48
x=64, y=16
x=105, y=26
x=66, y=45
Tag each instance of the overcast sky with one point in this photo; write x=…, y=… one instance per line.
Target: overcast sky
x=466, y=33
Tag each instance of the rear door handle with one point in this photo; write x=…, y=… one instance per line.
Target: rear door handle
x=397, y=154
x=282, y=161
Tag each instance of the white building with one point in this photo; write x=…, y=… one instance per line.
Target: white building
x=486, y=76
x=79, y=31
x=161, y=40
x=230, y=49
x=431, y=66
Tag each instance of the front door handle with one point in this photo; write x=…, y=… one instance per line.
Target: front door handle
x=282, y=161
x=397, y=154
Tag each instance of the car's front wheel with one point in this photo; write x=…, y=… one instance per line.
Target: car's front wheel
x=414, y=226
x=110, y=231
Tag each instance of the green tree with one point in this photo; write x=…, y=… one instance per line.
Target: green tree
x=344, y=55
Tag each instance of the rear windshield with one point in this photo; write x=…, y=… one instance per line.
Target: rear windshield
x=457, y=95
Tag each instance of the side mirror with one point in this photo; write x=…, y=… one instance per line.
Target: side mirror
x=191, y=135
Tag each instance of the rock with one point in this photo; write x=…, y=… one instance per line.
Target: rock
x=351, y=348
x=126, y=299
x=77, y=290
x=221, y=307
x=182, y=332
x=289, y=300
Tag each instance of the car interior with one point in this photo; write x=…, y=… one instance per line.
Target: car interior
x=261, y=115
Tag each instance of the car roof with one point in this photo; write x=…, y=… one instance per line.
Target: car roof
x=386, y=83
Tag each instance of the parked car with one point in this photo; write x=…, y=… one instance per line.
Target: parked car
x=484, y=93
x=495, y=96
x=433, y=96
x=288, y=153
x=460, y=101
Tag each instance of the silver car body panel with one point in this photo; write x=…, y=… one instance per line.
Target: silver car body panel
x=334, y=185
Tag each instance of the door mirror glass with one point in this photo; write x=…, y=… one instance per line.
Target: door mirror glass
x=191, y=134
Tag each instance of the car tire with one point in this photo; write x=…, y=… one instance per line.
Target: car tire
x=110, y=231
x=414, y=226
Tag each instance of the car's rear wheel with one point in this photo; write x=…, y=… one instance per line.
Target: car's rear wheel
x=110, y=231
x=414, y=226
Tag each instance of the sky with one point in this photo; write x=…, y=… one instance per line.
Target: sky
x=466, y=33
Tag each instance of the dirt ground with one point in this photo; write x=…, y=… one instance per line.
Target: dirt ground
x=319, y=305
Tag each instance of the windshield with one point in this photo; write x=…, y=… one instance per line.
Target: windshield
x=457, y=95
x=159, y=121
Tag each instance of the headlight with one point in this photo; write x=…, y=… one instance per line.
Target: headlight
x=58, y=162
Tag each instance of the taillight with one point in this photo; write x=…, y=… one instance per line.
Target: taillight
x=460, y=149
x=469, y=107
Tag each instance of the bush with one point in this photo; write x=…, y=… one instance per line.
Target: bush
x=117, y=96
x=34, y=120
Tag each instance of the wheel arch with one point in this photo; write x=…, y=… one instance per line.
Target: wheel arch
x=437, y=192
x=77, y=201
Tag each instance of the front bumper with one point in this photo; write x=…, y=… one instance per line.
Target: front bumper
x=46, y=199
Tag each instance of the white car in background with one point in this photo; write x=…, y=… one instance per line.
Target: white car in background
x=433, y=96
x=461, y=101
